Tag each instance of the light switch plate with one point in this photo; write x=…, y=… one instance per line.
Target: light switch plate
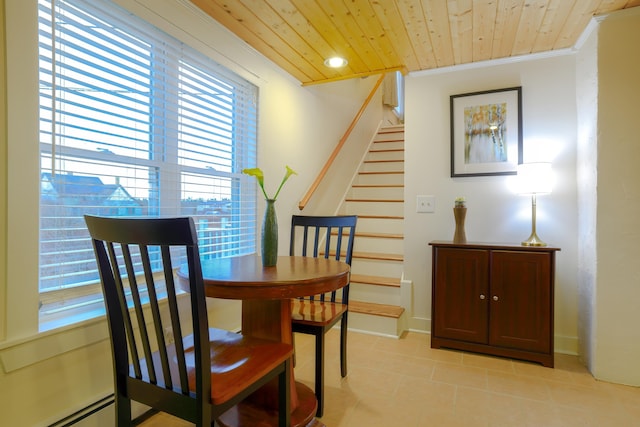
x=426, y=204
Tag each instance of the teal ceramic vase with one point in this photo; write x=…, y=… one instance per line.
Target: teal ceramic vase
x=270, y=235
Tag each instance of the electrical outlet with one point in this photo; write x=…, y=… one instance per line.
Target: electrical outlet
x=426, y=204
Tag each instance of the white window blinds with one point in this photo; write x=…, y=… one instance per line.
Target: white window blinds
x=134, y=123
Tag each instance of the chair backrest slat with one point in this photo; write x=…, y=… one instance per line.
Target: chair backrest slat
x=327, y=243
x=175, y=318
x=117, y=291
x=156, y=324
x=139, y=313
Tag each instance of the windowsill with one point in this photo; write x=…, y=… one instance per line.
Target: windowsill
x=72, y=311
x=63, y=309
x=74, y=329
x=21, y=353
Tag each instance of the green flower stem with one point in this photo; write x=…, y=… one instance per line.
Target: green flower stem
x=257, y=172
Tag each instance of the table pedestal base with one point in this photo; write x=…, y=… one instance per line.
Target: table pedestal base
x=246, y=414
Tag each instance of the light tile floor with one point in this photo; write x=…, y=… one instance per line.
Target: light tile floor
x=405, y=383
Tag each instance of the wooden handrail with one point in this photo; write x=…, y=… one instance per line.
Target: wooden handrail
x=339, y=146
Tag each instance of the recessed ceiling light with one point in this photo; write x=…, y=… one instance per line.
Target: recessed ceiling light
x=335, y=62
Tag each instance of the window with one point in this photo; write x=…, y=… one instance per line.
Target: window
x=133, y=123
x=399, y=109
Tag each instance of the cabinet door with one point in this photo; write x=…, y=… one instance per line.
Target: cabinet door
x=460, y=294
x=521, y=300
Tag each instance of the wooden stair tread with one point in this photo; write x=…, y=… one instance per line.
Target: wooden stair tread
x=381, y=217
x=387, y=150
x=380, y=235
x=384, y=310
x=381, y=173
x=377, y=186
x=384, y=161
x=375, y=280
x=380, y=256
x=382, y=141
x=368, y=255
x=391, y=129
x=345, y=232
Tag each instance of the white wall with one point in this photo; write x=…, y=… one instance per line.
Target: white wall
x=300, y=127
x=586, y=176
x=495, y=213
x=616, y=337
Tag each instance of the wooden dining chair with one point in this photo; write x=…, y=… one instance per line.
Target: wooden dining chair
x=165, y=355
x=328, y=237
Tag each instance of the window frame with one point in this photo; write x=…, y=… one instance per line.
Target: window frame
x=23, y=212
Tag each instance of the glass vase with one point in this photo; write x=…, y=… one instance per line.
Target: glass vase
x=270, y=235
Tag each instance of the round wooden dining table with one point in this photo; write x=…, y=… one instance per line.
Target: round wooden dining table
x=266, y=294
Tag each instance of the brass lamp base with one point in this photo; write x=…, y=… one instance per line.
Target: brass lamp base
x=533, y=240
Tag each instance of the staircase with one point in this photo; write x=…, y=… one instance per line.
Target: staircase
x=377, y=197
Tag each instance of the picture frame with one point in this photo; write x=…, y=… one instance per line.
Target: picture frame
x=486, y=132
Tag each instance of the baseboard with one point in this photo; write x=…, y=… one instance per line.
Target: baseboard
x=419, y=324
x=85, y=412
x=139, y=412
x=566, y=345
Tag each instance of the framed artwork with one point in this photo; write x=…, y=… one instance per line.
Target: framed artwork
x=486, y=132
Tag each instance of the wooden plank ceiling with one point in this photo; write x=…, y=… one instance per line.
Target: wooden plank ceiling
x=378, y=36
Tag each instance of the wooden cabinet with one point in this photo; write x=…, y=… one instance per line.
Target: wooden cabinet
x=493, y=298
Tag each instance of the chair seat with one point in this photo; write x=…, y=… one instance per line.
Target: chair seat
x=316, y=312
x=237, y=361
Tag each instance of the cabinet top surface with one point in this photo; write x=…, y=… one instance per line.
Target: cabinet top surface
x=487, y=245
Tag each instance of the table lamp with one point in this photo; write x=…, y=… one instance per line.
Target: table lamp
x=534, y=179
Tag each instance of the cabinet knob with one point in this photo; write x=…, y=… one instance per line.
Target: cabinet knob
x=482, y=296
x=495, y=297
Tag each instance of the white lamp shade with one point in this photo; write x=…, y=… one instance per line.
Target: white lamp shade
x=534, y=178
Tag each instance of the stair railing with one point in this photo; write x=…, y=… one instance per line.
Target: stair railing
x=336, y=150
